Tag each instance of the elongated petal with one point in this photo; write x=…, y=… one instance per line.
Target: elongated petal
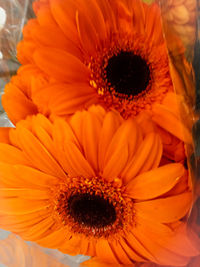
x=110, y=125
x=91, y=131
x=87, y=33
x=25, y=177
x=154, y=158
x=153, y=24
x=64, y=14
x=180, y=242
x=45, y=139
x=167, y=209
x=154, y=183
x=78, y=165
x=141, y=156
x=119, y=252
x=21, y=222
x=24, y=193
x=104, y=251
x=38, y=154
x=136, y=245
x=33, y=177
x=116, y=164
x=39, y=230
x=130, y=251
x=45, y=35
x=54, y=239
x=21, y=107
x=161, y=255
x=12, y=155
x=170, y=122
x=126, y=137
x=52, y=60
x=63, y=99
x=92, y=10
x=15, y=206
x=4, y=135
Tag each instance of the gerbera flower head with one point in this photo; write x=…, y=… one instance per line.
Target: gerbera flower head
x=107, y=52
x=94, y=186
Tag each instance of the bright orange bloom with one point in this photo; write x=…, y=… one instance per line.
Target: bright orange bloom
x=93, y=186
x=95, y=51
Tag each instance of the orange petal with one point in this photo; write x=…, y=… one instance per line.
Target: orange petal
x=44, y=17
x=20, y=223
x=179, y=243
x=39, y=230
x=72, y=245
x=63, y=99
x=16, y=206
x=33, y=177
x=126, y=137
x=153, y=160
x=76, y=123
x=64, y=14
x=170, y=122
x=153, y=24
x=44, y=137
x=4, y=135
x=116, y=163
x=136, y=248
x=156, y=182
x=25, y=51
x=61, y=65
x=120, y=253
x=98, y=111
x=92, y=11
x=90, y=132
x=109, y=16
x=24, y=193
x=161, y=254
x=146, y=123
x=143, y=153
x=25, y=177
x=43, y=122
x=130, y=251
x=78, y=165
x=96, y=262
x=54, y=239
x=167, y=209
x=105, y=252
x=110, y=125
x=62, y=133
x=45, y=35
x=87, y=33
x=16, y=104
x=12, y=155
x=38, y=154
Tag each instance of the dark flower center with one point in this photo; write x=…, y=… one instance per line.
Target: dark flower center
x=91, y=210
x=128, y=73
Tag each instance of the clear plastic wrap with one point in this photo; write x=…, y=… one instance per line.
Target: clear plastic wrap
x=181, y=30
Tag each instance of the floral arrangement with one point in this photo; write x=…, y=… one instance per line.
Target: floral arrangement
x=99, y=161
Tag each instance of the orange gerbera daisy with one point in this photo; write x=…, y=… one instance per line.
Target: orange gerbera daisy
x=95, y=51
x=93, y=186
